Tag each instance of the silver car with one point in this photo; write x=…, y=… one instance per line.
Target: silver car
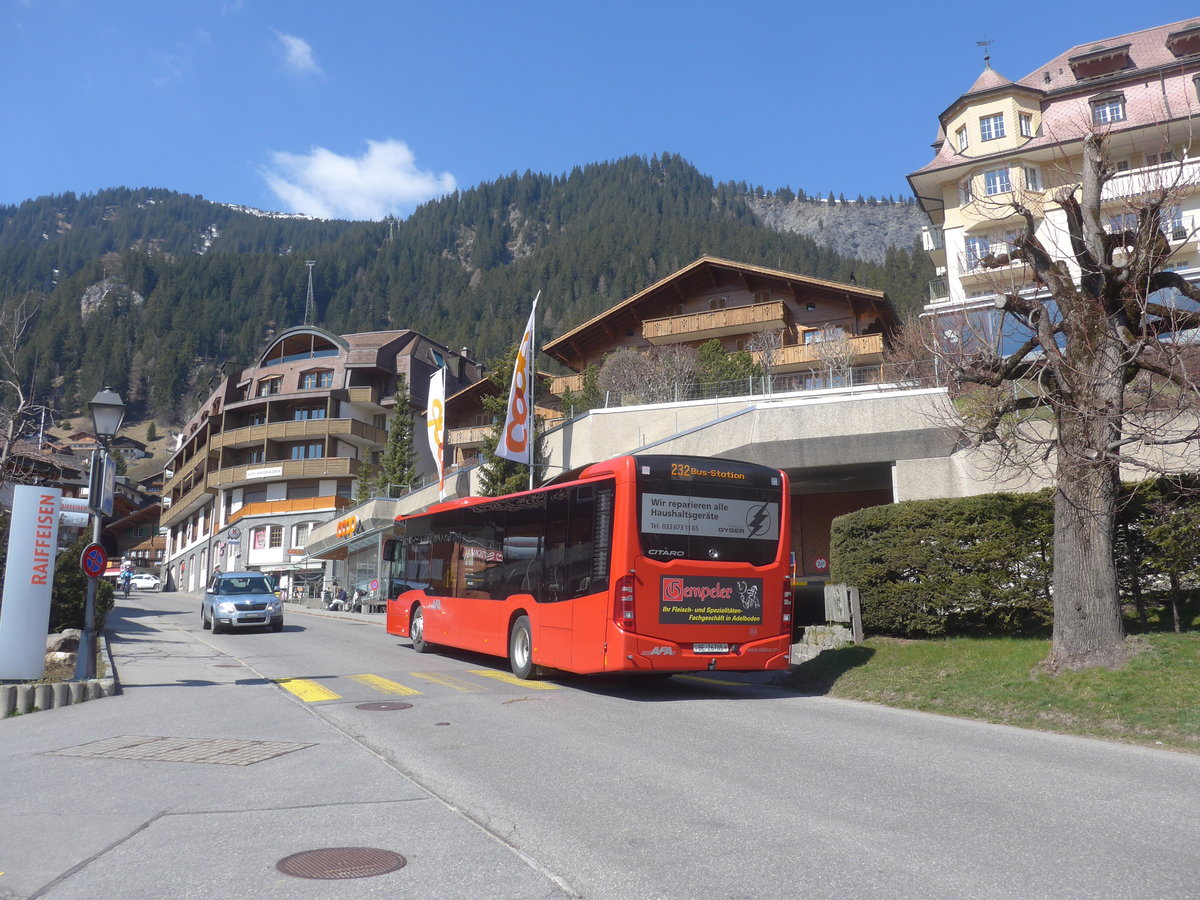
x=236, y=600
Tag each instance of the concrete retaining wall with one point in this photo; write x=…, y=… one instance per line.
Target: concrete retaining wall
x=26, y=698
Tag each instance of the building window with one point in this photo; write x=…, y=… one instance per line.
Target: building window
x=1108, y=110
x=1033, y=178
x=1121, y=165
x=1154, y=159
x=1026, y=123
x=276, y=535
x=269, y=386
x=966, y=193
x=673, y=310
x=996, y=181
x=258, y=418
x=977, y=249
x=1171, y=221
x=717, y=303
x=312, y=450
x=762, y=296
x=963, y=140
x=313, y=380
x=253, y=455
x=991, y=127
x=258, y=539
x=308, y=412
x=300, y=534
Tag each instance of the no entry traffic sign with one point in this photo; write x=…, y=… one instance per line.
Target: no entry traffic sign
x=93, y=561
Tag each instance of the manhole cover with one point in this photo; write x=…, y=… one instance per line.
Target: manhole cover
x=384, y=705
x=192, y=750
x=341, y=862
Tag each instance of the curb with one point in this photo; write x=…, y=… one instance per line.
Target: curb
x=18, y=699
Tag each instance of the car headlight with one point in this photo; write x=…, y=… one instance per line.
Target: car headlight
x=273, y=606
x=226, y=607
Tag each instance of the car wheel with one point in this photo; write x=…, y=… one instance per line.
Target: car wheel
x=204, y=623
x=520, y=650
x=217, y=627
x=416, y=631
x=277, y=626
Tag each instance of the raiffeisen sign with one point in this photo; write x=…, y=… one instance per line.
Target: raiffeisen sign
x=25, y=615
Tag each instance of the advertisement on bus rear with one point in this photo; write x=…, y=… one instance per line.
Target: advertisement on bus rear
x=709, y=517
x=702, y=600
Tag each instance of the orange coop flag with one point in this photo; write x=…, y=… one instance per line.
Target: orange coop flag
x=435, y=422
x=516, y=440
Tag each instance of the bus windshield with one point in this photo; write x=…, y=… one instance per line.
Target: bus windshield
x=722, y=511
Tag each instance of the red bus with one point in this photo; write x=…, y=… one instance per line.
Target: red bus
x=637, y=564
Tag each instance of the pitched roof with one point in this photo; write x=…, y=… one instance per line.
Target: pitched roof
x=716, y=262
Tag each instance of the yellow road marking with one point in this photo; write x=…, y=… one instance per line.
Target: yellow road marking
x=306, y=690
x=384, y=685
x=513, y=679
x=705, y=680
x=447, y=681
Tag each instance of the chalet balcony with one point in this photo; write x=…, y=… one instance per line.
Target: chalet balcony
x=281, y=507
x=468, y=437
x=866, y=348
x=367, y=395
x=716, y=323
x=283, y=469
x=178, y=509
x=256, y=435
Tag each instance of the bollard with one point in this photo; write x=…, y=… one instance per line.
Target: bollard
x=43, y=696
x=77, y=691
x=62, y=694
x=24, y=698
x=8, y=700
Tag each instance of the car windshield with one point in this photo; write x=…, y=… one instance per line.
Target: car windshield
x=243, y=585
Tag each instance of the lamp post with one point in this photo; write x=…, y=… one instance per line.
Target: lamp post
x=108, y=411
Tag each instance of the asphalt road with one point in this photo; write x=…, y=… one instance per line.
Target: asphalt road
x=696, y=787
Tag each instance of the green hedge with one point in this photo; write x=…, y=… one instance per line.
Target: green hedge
x=973, y=565
x=982, y=565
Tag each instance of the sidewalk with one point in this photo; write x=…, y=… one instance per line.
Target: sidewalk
x=200, y=775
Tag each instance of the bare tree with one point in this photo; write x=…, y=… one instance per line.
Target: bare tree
x=836, y=354
x=18, y=411
x=1097, y=371
x=649, y=376
x=766, y=346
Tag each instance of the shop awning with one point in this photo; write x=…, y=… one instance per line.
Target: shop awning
x=329, y=540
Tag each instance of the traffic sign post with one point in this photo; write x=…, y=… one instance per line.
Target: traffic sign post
x=93, y=560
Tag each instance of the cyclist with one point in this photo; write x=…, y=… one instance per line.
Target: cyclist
x=126, y=578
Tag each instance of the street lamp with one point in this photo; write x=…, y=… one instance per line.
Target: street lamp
x=108, y=411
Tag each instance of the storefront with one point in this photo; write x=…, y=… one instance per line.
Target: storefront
x=353, y=545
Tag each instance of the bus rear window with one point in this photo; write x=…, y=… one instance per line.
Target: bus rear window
x=717, y=510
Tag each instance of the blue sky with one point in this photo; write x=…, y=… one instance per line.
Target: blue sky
x=357, y=110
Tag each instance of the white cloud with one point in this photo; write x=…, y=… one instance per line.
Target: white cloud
x=383, y=181
x=298, y=54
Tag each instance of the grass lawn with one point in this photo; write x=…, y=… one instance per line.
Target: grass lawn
x=1153, y=700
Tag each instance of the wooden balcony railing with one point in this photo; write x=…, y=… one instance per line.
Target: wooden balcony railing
x=704, y=325
x=467, y=437
x=253, y=435
x=278, y=507
x=864, y=348
x=283, y=469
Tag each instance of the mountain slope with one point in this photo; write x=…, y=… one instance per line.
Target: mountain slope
x=176, y=285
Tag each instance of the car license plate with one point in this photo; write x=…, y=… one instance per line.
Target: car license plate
x=710, y=648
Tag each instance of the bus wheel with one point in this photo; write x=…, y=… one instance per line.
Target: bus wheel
x=417, y=631
x=520, y=650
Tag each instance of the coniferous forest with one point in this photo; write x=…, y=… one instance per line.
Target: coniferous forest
x=149, y=291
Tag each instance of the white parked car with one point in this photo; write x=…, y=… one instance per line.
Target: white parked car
x=145, y=582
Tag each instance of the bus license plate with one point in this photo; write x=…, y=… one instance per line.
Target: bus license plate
x=710, y=648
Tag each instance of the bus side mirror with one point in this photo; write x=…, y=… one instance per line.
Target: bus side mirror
x=391, y=550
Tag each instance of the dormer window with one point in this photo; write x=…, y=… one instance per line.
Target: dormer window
x=991, y=127
x=1185, y=42
x=1108, y=108
x=1100, y=60
x=320, y=378
x=963, y=140
x=269, y=386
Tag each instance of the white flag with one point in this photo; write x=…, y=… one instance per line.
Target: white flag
x=435, y=423
x=515, y=443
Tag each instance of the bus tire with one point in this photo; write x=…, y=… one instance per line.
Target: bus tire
x=416, y=631
x=520, y=650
